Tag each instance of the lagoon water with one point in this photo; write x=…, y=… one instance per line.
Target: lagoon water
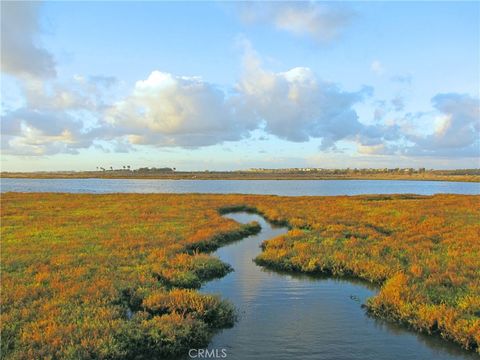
x=285, y=316
x=267, y=187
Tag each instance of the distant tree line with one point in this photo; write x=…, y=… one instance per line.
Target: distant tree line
x=154, y=169
x=140, y=170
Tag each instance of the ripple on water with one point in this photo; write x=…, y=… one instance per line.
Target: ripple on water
x=285, y=316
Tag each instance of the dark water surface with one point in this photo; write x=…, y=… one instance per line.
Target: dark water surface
x=284, y=316
x=266, y=187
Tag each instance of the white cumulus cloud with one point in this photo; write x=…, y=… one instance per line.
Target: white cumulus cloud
x=169, y=110
x=296, y=105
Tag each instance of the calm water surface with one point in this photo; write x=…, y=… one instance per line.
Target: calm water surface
x=285, y=316
x=267, y=187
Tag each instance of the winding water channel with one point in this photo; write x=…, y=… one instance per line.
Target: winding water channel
x=285, y=316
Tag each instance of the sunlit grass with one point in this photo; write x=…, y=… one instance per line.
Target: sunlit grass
x=114, y=276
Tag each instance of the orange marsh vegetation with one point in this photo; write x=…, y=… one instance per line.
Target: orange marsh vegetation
x=114, y=276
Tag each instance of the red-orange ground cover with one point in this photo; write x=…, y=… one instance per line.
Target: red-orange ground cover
x=112, y=276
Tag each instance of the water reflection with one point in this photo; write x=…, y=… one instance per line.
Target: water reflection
x=296, y=316
x=266, y=187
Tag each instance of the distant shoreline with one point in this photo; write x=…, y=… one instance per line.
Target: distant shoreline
x=236, y=176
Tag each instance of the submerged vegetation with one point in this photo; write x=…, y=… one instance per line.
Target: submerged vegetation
x=114, y=276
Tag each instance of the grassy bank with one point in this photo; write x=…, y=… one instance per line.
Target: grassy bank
x=114, y=276
x=245, y=175
x=110, y=276
x=424, y=252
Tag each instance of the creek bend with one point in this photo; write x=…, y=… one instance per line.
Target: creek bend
x=295, y=316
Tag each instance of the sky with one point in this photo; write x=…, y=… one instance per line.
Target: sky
x=237, y=85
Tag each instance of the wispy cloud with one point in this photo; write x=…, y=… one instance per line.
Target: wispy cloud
x=377, y=67
x=21, y=52
x=398, y=103
x=322, y=22
x=402, y=79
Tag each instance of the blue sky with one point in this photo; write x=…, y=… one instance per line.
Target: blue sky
x=212, y=85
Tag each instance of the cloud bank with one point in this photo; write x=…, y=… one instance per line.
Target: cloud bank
x=169, y=110
x=166, y=110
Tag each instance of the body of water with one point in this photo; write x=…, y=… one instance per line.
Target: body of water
x=265, y=187
x=285, y=316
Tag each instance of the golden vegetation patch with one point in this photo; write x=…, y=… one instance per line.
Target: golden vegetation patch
x=87, y=276
x=113, y=276
x=424, y=251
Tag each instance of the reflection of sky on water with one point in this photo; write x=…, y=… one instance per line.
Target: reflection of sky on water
x=266, y=187
x=241, y=259
x=285, y=316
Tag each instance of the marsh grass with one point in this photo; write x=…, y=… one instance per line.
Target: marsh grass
x=114, y=276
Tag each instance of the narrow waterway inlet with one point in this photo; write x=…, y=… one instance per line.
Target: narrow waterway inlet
x=291, y=316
